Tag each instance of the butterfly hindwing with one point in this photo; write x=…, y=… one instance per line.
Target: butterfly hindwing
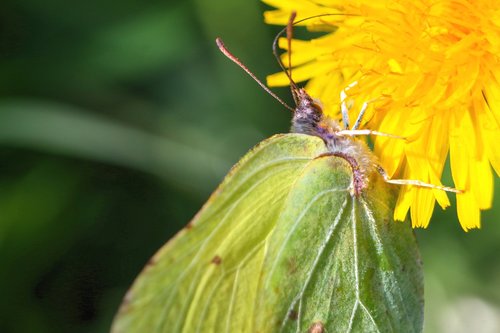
x=340, y=260
x=283, y=245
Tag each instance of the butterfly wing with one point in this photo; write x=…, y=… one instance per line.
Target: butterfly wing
x=205, y=279
x=282, y=246
x=338, y=261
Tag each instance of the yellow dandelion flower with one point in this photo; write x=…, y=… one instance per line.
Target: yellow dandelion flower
x=432, y=71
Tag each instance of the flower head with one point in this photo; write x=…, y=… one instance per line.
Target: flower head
x=431, y=71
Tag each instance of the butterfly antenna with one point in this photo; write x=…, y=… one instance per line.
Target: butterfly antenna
x=237, y=61
x=289, y=36
x=288, y=71
x=289, y=31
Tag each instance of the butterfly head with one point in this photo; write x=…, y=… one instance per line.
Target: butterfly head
x=308, y=114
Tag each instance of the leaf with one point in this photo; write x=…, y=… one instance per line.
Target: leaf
x=282, y=246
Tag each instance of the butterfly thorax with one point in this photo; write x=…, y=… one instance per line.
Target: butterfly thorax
x=310, y=119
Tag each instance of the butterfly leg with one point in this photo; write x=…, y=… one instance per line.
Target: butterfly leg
x=356, y=132
x=343, y=105
x=414, y=182
x=360, y=116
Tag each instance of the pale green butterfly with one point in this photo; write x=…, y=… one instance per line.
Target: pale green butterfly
x=298, y=237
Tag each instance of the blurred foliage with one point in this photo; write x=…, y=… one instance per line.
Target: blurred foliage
x=117, y=120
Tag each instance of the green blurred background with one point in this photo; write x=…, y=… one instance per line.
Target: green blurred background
x=117, y=120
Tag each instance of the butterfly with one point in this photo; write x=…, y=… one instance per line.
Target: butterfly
x=299, y=237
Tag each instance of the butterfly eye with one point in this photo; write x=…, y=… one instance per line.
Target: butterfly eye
x=317, y=107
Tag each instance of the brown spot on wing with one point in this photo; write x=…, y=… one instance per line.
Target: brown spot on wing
x=216, y=260
x=293, y=315
x=152, y=261
x=292, y=265
x=317, y=327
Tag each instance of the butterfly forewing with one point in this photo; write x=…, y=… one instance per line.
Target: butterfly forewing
x=205, y=279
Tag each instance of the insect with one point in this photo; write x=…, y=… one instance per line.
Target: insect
x=309, y=118
x=298, y=237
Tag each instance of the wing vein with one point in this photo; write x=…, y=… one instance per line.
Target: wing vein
x=369, y=315
x=355, y=263
x=394, y=283
x=232, y=300
x=295, y=225
x=353, y=314
x=200, y=250
x=206, y=304
x=320, y=252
